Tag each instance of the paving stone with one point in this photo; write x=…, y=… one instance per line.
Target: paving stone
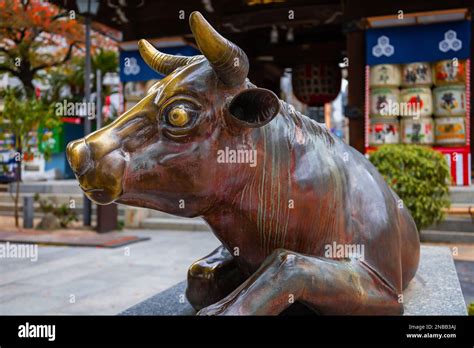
x=104, y=281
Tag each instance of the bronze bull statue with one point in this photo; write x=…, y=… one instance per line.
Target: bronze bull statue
x=286, y=198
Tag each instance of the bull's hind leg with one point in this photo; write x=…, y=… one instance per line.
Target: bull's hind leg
x=212, y=278
x=340, y=287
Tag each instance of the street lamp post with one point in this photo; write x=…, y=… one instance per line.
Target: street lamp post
x=87, y=8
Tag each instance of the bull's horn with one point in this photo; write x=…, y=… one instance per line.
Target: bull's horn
x=228, y=61
x=159, y=61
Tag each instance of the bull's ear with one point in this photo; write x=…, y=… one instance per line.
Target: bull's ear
x=254, y=107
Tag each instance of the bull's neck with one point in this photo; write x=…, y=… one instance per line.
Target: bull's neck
x=255, y=218
x=292, y=184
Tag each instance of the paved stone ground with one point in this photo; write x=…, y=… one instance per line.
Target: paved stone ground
x=101, y=281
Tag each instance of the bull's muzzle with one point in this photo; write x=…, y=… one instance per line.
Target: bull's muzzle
x=78, y=155
x=99, y=177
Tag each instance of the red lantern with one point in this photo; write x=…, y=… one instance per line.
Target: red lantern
x=316, y=84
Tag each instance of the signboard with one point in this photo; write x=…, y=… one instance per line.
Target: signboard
x=50, y=139
x=133, y=67
x=420, y=43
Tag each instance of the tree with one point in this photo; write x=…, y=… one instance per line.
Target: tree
x=36, y=35
x=26, y=29
x=23, y=117
x=72, y=73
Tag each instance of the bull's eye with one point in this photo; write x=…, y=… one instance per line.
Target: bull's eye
x=178, y=117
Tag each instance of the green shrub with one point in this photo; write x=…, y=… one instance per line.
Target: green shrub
x=62, y=212
x=420, y=176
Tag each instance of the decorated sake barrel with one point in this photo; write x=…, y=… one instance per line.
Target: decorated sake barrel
x=448, y=72
x=417, y=74
x=416, y=102
x=384, y=101
x=384, y=130
x=417, y=131
x=450, y=130
x=385, y=75
x=449, y=100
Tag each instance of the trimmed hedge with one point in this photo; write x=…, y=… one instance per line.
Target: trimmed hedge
x=420, y=176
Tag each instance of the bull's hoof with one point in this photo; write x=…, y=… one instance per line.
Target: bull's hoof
x=211, y=279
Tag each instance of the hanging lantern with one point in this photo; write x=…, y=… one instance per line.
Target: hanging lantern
x=317, y=83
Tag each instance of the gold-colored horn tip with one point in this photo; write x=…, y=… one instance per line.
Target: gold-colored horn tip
x=143, y=44
x=196, y=17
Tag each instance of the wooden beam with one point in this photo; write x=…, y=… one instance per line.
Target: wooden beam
x=357, y=9
x=286, y=56
x=313, y=15
x=415, y=16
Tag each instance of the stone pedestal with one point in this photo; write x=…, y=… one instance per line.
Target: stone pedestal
x=169, y=302
x=435, y=290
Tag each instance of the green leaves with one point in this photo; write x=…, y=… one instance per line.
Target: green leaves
x=24, y=116
x=420, y=176
x=63, y=212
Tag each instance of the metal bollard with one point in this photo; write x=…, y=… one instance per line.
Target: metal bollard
x=28, y=212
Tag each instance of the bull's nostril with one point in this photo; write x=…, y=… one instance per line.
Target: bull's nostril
x=78, y=155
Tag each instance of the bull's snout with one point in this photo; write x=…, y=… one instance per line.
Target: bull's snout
x=78, y=155
x=97, y=166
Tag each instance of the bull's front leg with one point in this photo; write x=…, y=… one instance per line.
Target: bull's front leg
x=212, y=278
x=340, y=287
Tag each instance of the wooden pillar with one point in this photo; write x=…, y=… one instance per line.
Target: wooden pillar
x=356, y=88
x=107, y=216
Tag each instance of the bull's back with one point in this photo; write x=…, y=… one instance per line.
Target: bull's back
x=338, y=197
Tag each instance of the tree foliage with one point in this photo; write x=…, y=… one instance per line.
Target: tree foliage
x=62, y=212
x=23, y=118
x=71, y=74
x=36, y=35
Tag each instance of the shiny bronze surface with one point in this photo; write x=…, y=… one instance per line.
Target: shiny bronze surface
x=278, y=190
x=212, y=278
